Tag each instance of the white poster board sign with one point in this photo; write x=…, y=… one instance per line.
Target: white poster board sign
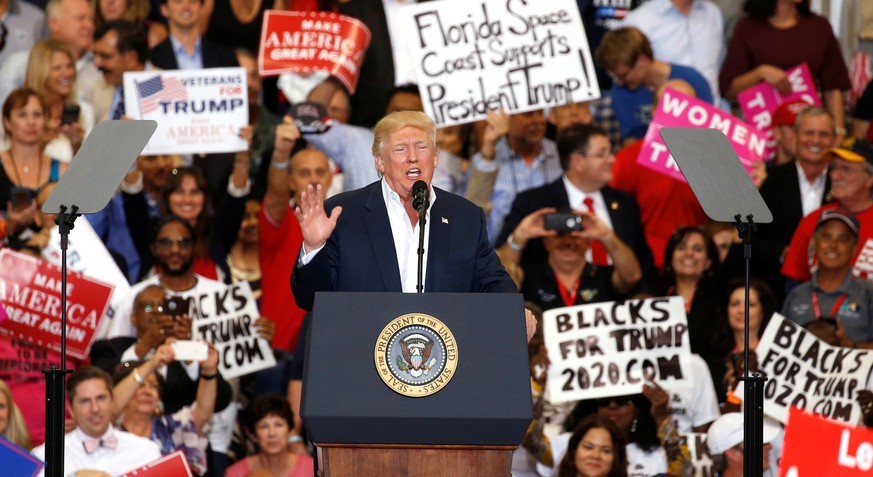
x=198, y=111
x=613, y=348
x=226, y=319
x=519, y=55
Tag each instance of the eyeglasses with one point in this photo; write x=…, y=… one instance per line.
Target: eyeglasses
x=619, y=401
x=167, y=243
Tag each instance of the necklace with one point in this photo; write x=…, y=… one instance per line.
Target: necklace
x=26, y=170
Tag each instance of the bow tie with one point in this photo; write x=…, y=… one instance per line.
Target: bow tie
x=91, y=445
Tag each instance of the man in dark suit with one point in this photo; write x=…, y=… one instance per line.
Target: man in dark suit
x=370, y=240
x=790, y=197
x=587, y=161
x=186, y=49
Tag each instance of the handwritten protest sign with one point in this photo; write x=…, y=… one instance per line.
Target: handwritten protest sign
x=303, y=42
x=30, y=291
x=173, y=464
x=198, y=111
x=699, y=453
x=760, y=101
x=226, y=318
x=17, y=461
x=680, y=110
x=474, y=57
x=613, y=348
x=815, y=446
x=805, y=372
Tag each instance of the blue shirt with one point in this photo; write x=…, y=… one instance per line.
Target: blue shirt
x=185, y=60
x=351, y=148
x=110, y=224
x=633, y=108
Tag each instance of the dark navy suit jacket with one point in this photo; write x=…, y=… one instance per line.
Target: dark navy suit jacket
x=360, y=254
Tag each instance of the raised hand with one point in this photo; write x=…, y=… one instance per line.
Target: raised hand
x=315, y=225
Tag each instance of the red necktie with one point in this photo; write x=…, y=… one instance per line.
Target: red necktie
x=599, y=254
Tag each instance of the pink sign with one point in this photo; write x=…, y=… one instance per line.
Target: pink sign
x=173, y=464
x=759, y=101
x=680, y=110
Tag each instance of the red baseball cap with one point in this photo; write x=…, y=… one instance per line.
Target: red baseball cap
x=786, y=113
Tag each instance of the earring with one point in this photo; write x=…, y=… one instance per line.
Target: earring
x=634, y=426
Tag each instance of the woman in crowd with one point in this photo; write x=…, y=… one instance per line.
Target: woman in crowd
x=242, y=260
x=596, y=449
x=26, y=168
x=778, y=35
x=273, y=421
x=51, y=72
x=137, y=396
x=12, y=425
x=691, y=260
x=136, y=11
x=729, y=339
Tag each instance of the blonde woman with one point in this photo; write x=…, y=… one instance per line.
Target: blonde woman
x=12, y=424
x=51, y=72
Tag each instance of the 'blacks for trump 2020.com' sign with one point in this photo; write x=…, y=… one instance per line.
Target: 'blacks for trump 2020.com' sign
x=519, y=55
x=198, y=111
x=613, y=348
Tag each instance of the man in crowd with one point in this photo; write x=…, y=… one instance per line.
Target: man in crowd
x=72, y=23
x=515, y=147
x=119, y=46
x=351, y=250
x=725, y=442
x=784, y=120
x=834, y=291
x=95, y=447
x=851, y=177
x=586, y=160
x=627, y=55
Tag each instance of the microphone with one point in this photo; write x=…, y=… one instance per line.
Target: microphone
x=420, y=196
x=421, y=201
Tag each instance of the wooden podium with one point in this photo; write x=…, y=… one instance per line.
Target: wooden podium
x=470, y=426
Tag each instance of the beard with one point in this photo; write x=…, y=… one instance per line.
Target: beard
x=183, y=270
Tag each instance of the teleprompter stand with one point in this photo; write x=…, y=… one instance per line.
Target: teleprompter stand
x=726, y=193
x=470, y=426
x=86, y=187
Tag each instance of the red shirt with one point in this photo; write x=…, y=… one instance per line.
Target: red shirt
x=279, y=245
x=800, y=259
x=665, y=203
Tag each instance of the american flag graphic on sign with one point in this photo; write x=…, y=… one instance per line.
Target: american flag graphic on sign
x=155, y=90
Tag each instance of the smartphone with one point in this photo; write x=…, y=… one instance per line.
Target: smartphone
x=70, y=114
x=21, y=198
x=563, y=222
x=187, y=350
x=176, y=306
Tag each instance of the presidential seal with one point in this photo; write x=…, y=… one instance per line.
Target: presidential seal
x=416, y=355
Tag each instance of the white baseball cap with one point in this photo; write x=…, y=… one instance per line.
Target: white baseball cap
x=727, y=431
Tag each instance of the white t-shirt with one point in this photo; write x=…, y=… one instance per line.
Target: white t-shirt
x=696, y=405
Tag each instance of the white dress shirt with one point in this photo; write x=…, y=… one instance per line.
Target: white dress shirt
x=811, y=194
x=131, y=452
x=577, y=202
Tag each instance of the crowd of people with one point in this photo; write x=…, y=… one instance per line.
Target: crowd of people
x=184, y=225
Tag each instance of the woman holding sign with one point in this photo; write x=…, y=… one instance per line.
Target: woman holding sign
x=136, y=397
x=12, y=425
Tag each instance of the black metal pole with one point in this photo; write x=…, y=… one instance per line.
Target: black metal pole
x=753, y=394
x=422, y=218
x=54, y=389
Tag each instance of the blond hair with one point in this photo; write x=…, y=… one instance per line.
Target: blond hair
x=16, y=429
x=622, y=47
x=39, y=66
x=396, y=121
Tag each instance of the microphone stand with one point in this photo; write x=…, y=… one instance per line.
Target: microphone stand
x=422, y=218
x=54, y=391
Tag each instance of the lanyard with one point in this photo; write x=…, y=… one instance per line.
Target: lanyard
x=817, y=311
x=568, y=296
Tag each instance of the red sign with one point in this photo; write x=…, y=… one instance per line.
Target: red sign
x=298, y=42
x=173, y=464
x=30, y=293
x=839, y=448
